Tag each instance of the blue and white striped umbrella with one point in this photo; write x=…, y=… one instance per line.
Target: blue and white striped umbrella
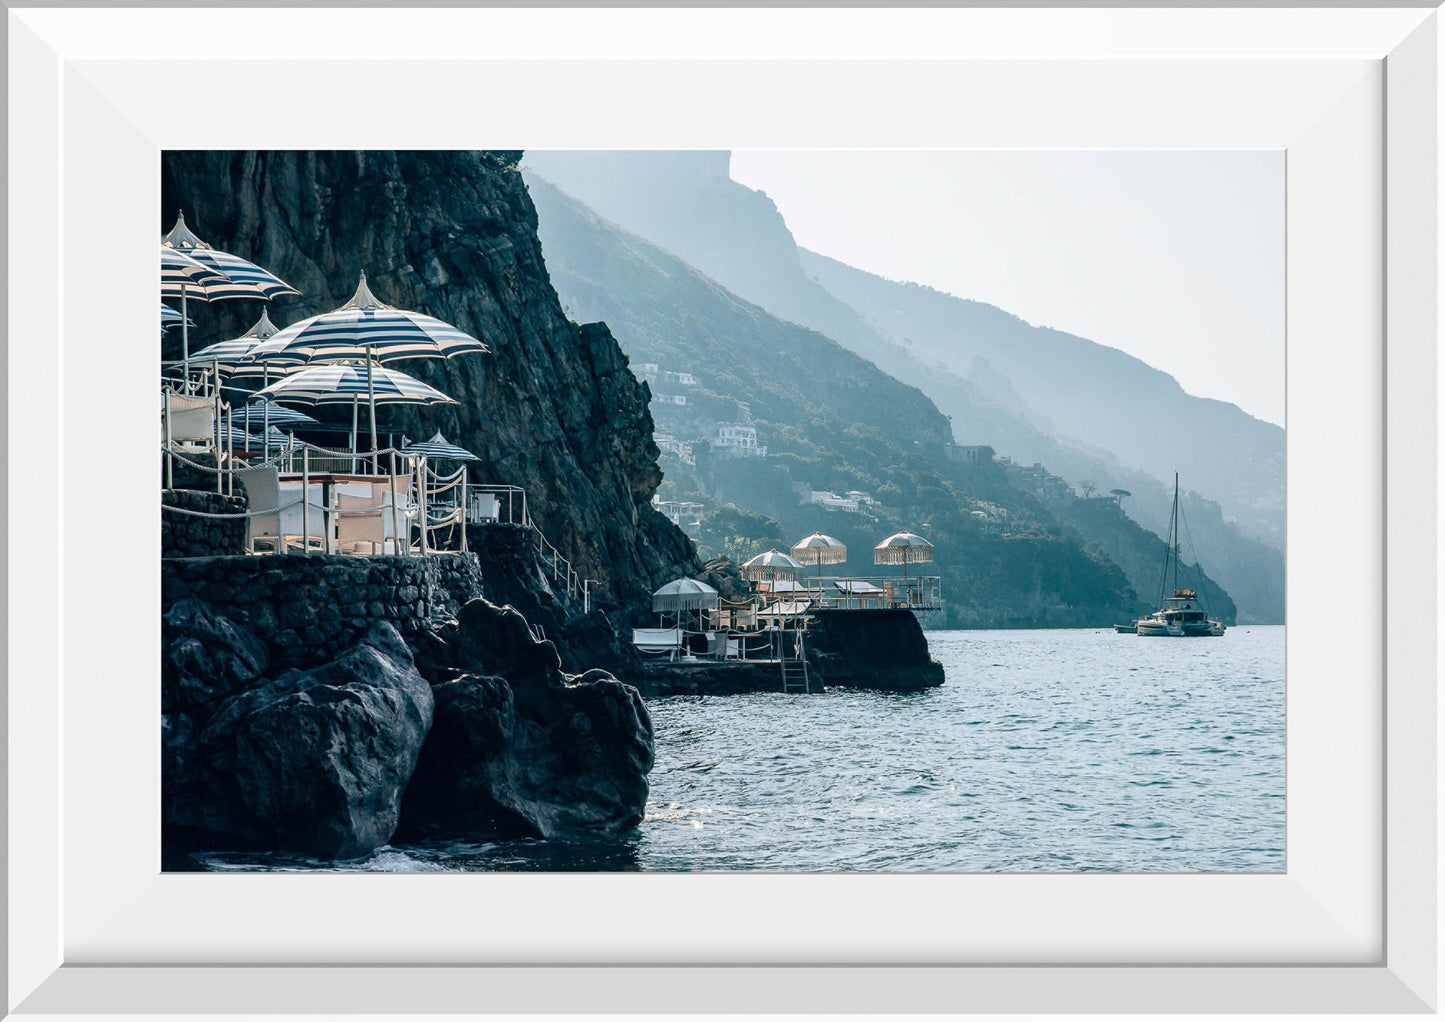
x=241, y=277
x=344, y=383
x=179, y=269
x=276, y=415
x=366, y=328
x=170, y=317
x=239, y=437
x=439, y=447
x=351, y=383
x=234, y=278
x=229, y=355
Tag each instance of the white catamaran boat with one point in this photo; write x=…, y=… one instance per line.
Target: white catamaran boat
x=1183, y=614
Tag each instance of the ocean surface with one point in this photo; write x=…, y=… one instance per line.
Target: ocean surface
x=1045, y=751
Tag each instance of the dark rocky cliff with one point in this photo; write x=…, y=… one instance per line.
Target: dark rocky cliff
x=553, y=408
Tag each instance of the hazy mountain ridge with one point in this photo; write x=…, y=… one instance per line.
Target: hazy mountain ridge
x=827, y=429
x=687, y=204
x=1092, y=394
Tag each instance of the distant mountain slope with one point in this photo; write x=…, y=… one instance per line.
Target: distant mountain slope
x=1091, y=395
x=687, y=203
x=831, y=420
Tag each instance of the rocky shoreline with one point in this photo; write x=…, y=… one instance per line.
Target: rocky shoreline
x=326, y=706
x=470, y=729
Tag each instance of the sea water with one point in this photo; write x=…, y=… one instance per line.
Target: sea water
x=1060, y=751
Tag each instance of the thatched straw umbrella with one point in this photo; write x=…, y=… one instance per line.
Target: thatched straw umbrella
x=771, y=566
x=819, y=549
x=903, y=548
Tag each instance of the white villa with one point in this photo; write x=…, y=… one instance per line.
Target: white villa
x=682, y=513
x=739, y=441
x=830, y=501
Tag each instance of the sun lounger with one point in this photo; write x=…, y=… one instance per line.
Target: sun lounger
x=658, y=641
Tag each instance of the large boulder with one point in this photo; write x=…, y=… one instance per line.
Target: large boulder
x=878, y=649
x=207, y=656
x=518, y=748
x=312, y=761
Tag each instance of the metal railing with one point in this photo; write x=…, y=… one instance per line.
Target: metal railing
x=505, y=504
x=496, y=504
x=857, y=592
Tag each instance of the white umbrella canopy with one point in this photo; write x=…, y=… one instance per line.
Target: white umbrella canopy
x=366, y=327
x=771, y=566
x=903, y=548
x=685, y=594
x=819, y=549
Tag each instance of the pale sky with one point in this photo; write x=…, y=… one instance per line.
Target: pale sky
x=1174, y=257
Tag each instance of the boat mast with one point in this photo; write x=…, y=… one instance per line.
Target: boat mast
x=1174, y=532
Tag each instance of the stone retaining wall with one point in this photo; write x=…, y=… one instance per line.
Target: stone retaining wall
x=184, y=535
x=309, y=608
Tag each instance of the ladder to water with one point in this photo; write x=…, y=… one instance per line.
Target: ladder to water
x=795, y=668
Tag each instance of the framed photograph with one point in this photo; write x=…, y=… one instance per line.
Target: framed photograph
x=673, y=510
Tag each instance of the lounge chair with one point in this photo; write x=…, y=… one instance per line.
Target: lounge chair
x=658, y=641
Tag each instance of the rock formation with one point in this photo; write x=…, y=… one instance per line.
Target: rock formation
x=495, y=741
x=871, y=649
x=310, y=761
x=520, y=749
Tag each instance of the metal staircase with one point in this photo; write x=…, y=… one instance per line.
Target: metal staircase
x=795, y=668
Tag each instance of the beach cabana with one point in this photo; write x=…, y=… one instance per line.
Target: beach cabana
x=366, y=328
x=904, y=548
x=819, y=550
x=234, y=277
x=772, y=565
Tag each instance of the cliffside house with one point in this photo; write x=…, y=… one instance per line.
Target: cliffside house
x=739, y=441
x=685, y=514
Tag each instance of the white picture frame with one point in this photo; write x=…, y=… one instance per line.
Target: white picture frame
x=1351, y=95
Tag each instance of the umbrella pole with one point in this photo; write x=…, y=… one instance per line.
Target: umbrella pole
x=185, y=343
x=355, y=407
x=266, y=408
x=371, y=400
x=246, y=420
x=169, y=457
x=463, y=505
x=421, y=499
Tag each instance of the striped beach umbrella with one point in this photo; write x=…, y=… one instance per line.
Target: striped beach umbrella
x=230, y=354
x=367, y=328
x=238, y=278
x=279, y=415
x=170, y=317
x=439, y=447
x=819, y=550
x=771, y=566
x=348, y=383
x=243, y=278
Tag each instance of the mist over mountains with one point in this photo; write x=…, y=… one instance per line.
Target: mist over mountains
x=1081, y=410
